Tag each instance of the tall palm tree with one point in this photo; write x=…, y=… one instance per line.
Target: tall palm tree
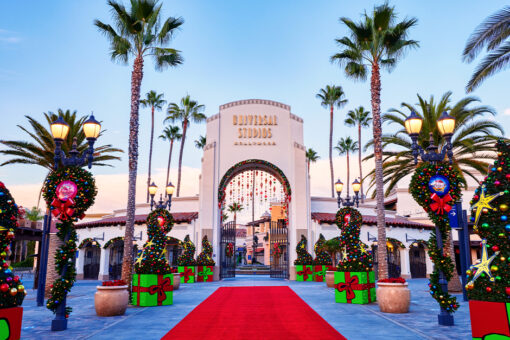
x=472, y=140
x=344, y=147
x=188, y=110
x=360, y=118
x=330, y=97
x=311, y=156
x=155, y=101
x=492, y=34
x=235, y=208
x=171, y=134
x=138, y=32
x=200, y=142
x=376, y=41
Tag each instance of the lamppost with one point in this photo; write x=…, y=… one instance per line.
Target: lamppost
x=356, y=185
x=59, y=130
x=446, y=126
x=167, y=203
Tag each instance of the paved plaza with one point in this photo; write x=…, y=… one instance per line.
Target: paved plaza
x=352, y=321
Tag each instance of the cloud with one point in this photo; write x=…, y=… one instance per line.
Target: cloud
x=9, y=37
x=507, y=111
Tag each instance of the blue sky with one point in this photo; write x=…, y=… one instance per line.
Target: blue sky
x=51, y=56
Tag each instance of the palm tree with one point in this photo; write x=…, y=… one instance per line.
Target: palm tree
x=170, y=133
x=155, y=101
x=188, y=110
x=360, y=118
x=138, y=32
x=473, y=138
x=376, y=41
x=235, y=208
x=332, y=247
x=344, y=147
x=492, y=34
x=311, y=156
x=200, y=142
x=330, y=97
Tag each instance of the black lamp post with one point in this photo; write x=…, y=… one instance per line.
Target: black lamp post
x=162, y=204
x=356, y=185
x=59, y=130
x=446, y=126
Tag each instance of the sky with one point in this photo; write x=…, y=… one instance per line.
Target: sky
x=51, y=56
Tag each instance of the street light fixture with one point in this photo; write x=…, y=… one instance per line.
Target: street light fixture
x=162, y=204
x=356, y=185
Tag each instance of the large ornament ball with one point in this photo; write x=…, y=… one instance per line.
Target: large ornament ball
x=8, y=279
x=504, y=218
x=507, y=290
x=470, y=286
x=21, y=288
x=488, y=289
x=494, y=268
x=503, y=207
x=497, y=183
x=469, y=272
x=495, y=248
x=485, y=225
x=485, y=210
x=500, y=169
x=4, y=287
x=13, y=291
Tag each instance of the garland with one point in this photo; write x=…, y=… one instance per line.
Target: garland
x=88, y=240
x=436, y=187
x=395, y=242
x=112, y=241
x=68, y=193
x=205, y=257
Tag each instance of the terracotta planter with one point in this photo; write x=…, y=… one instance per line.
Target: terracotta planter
x=177, y=280
x=330, y=278
x=10, y=322
x=111, y=300
x=393, y=297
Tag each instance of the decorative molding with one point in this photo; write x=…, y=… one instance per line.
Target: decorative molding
x=210, y=146
x=213, y=117
x=299, y=146
x=296, y=118
x=255, y=101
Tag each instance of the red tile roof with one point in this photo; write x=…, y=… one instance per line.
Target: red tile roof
x=181, y=217
x=372, y=220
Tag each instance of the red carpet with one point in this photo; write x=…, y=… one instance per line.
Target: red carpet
x=253, y=313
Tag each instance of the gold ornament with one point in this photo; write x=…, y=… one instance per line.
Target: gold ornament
x=483, y=266
x=503, y=207
x=484, y=203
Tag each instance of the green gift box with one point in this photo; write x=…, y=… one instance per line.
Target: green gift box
x=205, y=273
x=304, y=272
x=319, y=273
x=355, y=287
x=187, y=274
x=152, y=290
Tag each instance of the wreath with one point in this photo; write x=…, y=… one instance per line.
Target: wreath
x=69, y=192
x=395, y=242
x=112, y=241
x=88, y=240
x=229, y=250
x=277, y=249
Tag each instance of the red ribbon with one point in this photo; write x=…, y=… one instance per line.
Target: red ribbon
x=305, y=272
x=351, y=284
x=62, y=209
x=187, y=273
x=164, y=285
x=319, y=273
x=440, y=204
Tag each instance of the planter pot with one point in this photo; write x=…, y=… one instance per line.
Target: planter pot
x=393, y=297
x=10, y=323
x=489, y=319
x=330, y=279
x=111, y=300
x=177, y=280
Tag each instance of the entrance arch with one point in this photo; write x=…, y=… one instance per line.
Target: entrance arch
x=417, y=260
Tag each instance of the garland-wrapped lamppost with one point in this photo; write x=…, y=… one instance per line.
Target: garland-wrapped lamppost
x=435, y=186
x=347, y=202
x=69, y=191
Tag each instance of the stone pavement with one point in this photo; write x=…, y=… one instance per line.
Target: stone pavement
x=353, y=321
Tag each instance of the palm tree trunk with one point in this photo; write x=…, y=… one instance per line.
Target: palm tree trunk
x=308, y=163
x=348, y=173
x=359, y=160
x=331, y=152
x=150, y=153
x=454, y=285
x=136, y=82
x=382, y=254
x=184, y=128
x=169, y=161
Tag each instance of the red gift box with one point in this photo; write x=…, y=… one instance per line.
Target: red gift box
x=489, y=318
x=10, y=323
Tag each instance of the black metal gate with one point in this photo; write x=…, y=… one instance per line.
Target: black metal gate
x=417, y=261
x=116, y=255
x=91, y=263
x=393, y=262
x=279, y=250
x=228, y=250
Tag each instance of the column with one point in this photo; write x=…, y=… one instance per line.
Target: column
x=104, y=265
x=429, y=264
x=80, y=261
x=405, y=271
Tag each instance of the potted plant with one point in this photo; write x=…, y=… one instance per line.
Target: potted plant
x=205, y=263
x=12, y=291
x=186, y=263
x=304, y=267
x=176, y=278
x=331, y=247
x=322, y=260
x=393, y=295
x=111, y=298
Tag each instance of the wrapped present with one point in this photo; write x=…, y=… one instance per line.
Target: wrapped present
x=187, y=273
x=489, y=320
x=205, y=273
x=152, y=290
x=319, y=273
x=355, y=287
x=10, y=323
x=304, y=272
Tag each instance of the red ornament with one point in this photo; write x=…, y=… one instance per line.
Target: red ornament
x=4, y=287
x=495, y=248
x=507, y=290
x=488, y=289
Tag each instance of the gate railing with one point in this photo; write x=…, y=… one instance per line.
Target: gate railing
x=227, y=263
x=279, y=262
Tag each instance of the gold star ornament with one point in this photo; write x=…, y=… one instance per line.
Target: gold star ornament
x=484, y=265
x=483, y=203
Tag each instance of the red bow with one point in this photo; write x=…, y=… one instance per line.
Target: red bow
x=440, y=204
x=305, y=272
x=319, y=272
x=62, y=209
x=187, y=273
x=164, y=285
x=351, y=284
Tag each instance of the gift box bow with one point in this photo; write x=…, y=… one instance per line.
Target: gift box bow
x=440, y=204
x=305, y=272
x=320, y=271
x=351, y=284
x=206, y=272
x=163, y=286
x=187, y=273
x=62, y=209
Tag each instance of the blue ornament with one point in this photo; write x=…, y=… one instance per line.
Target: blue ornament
x=504, y=218
x=1, y=193
x=507, y=227
x=493, y=169
x=439, y=185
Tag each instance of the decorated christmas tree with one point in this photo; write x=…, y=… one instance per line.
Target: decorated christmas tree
x=205, y=257
x=357, y=259
x=187, y=257
x=304, y=257
x=321, y=255
x=152, y=259
x=12, y=291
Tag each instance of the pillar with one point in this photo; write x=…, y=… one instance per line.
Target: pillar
x=405, y=266
x=80, y=261
x=104, y=265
